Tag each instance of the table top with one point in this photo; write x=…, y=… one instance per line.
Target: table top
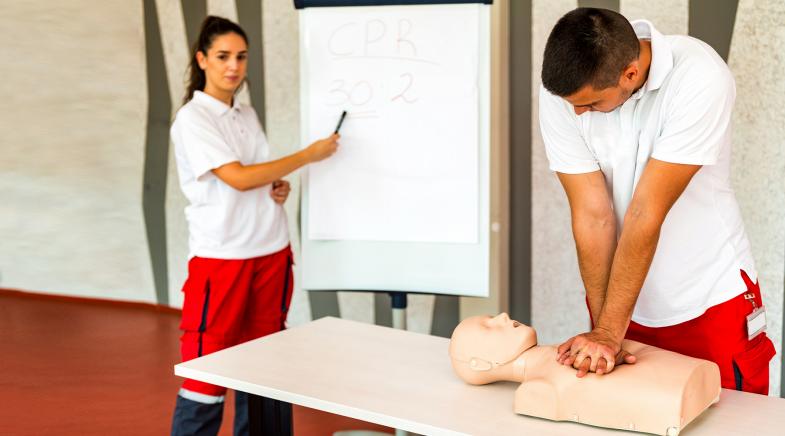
x=404, y=380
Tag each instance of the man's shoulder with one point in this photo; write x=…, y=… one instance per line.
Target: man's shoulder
x=696, y=60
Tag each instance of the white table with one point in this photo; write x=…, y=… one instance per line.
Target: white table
x=403, y=380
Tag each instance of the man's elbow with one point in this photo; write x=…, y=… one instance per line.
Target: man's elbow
x=644, y=220
x=597, y=221
x=606, y=221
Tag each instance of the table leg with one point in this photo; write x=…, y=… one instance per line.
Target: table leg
x=269, y=417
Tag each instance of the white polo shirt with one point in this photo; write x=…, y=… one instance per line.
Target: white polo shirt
x=224, y=223
x=682, y=114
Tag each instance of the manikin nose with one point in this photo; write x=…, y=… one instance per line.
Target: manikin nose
x=502, y=318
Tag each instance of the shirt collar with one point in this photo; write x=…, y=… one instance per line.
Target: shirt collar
x=661, y=56
x=217, y=107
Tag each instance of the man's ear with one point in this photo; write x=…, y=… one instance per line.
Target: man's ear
x=201, y=59
x=630, y=74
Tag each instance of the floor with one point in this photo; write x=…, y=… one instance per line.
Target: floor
x=85, y=367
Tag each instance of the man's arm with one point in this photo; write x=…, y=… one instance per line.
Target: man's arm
x=594, y=230
x=658, y=189
x=660, y=186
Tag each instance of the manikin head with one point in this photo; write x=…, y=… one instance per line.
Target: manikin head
x=482, y=348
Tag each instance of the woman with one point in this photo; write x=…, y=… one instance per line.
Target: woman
x=239, y=281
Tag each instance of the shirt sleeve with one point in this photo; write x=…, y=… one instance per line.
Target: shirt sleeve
x=203, y=145
x=698, y=123
x=564, y=145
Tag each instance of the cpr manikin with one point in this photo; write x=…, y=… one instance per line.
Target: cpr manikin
x=661, y=393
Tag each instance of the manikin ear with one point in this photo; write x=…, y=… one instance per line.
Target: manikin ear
x=477, y=364
x=201, y=59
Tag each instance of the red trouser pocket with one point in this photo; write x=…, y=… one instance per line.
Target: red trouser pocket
x=286, y=298
x=752, y=365
x=195, y=292
x=194, y=317
x=720, y=335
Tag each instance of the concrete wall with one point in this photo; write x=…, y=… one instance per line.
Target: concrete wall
x=759, y=150
x=73, y=122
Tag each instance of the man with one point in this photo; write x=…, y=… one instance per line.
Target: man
x=637, y=127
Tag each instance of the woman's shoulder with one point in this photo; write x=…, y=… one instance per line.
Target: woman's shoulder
x=189, y=113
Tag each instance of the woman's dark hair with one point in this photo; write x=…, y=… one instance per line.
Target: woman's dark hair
x=588, y=46
x=212, y=27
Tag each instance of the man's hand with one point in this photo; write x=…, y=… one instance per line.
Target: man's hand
x=596, y=351
x=280, y=191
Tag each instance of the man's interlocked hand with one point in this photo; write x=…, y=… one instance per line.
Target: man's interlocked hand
x=597, y=351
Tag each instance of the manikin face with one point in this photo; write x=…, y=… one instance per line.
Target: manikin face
x=495, y=339
x=224, y=64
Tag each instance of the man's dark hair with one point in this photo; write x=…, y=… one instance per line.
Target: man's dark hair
x=588, y=46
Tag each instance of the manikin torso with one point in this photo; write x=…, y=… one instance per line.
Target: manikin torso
x=661, y=393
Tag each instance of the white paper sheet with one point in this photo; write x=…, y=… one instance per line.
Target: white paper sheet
x=407, y=168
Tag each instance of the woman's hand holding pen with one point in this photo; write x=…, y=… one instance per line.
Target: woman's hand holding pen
x=323, y=148
x=280, y=191
x=319, y=150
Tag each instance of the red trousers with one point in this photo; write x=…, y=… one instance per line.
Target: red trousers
x=230, y=301
x=720, y=335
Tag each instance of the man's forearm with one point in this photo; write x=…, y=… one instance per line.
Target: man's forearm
x=631, y=263
x=596, y=244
